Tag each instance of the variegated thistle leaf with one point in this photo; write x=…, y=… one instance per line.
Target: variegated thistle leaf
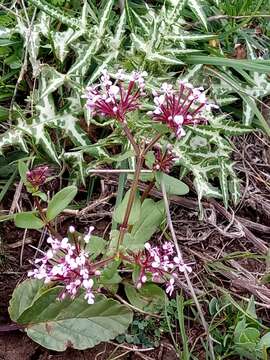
x=83, y=61
x=206, y=153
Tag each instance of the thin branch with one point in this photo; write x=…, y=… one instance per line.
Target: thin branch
x=117, y=171
x=180, y=256
x=135, y=308
x=152, y=143
x=131, y=139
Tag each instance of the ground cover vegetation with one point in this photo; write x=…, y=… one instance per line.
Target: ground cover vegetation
x=134, y=179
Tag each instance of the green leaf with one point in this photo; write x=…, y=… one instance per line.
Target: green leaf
x=40, y=194
x=129, y=16
x=196, y=7
x=23, y=297
x=149, y=298
x=96, y=246
x=119, y=212
x=152, y=215
x=57, y=325
x=164, y=59
x=249, y=335
x=110, y=274
x=22, y=167
x=190, y=37
x=223, y=175
x=252, y=65
x=173, y=186
x=264, y=343
x=57, y=14
x=28, y=220
x=60, y=201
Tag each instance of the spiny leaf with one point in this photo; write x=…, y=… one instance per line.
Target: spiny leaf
x=57, y=14
x=164, y=59
x=196, y=7
x=190, y=37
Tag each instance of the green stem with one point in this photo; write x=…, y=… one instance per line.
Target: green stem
x=131, y=139
x=147, y=190
x=44, y=219
x=133, y=189
x=152, y=143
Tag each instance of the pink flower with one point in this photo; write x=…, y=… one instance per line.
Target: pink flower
x=114, y=99
x=159, y=264
x=164, y=161
x=68, y=264
x=38, y=175
x=181, y=107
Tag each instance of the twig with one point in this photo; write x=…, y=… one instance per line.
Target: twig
x=180, y=256
x=135, y=308
x=131, y=348
x=94, y=204
x=117, y=171
x=16, y=197
x=121, y=5
x=22, y=248
x=249, y=235
x=120, y=355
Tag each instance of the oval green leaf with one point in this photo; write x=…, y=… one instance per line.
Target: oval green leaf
x=58, y=325
x=60, y=201
x=28, y=220
x=23, y=297
x=173, y=186
x=149, y=298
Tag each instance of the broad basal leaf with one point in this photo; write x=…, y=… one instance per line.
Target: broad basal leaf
x=57, y=325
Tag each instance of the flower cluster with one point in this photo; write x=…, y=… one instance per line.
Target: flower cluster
x=113, y=99
x=164, y=160
x=37, y=176
x=160, y=264
x=69, y=264
x=180, y=107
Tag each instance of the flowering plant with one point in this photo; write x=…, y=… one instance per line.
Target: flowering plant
x=81, y=270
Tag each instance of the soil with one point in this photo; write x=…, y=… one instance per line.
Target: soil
x=17, y=346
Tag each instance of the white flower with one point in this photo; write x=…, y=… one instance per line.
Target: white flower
x=65, y=243
x=170, y=287
x=88, y=284
x=89, y=296
x=181, y=265
x=71, y=229
x=88, y=235
x=143, y=278
x=166, y=88
x=113, y=90
x=178, y=119
x=147, y=246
